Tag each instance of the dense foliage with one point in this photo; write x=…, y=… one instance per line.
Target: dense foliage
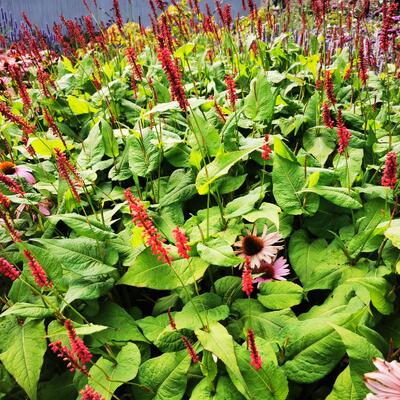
x=202, y=210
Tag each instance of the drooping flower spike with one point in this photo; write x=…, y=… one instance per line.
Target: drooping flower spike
x=8, y=270
x=389, y=177
x=38, y=273
x=256, y=360
x=90, y=394
x=181, y=242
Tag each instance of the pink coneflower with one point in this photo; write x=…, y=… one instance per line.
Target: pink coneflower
x=38, y=273
x=191, y=351
x=68, y=356
x=231, y=86
x=90, y=394
x=275, y=270
x=343, y=133
x=247, y=280
x=171, y=70
x=385, y=382
x=78, y=346
x=181, y=242
x=150, y=232
x=389, y=177
x=259, y=248
x=326, y=115
x=329, y=87
x=8, y=270
x=256, y=360
x=266, y=149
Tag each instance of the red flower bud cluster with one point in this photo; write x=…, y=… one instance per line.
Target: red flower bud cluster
x=343, y=133
x=78, y=346
x=181, y=242
x=231, y=86
x=11, y=184
x=191, y=351
x=266, y=149
x=247, y=279
x=256, y=360
x=362, y=64
x=326, y=115
x=150, y=232
x=389, y=177
x=90, y=394
x=16, y=74
x=4, y=201
x=52, y=125
x=387, y=23
x=68, y=172
x=118, y=16
x=8, y=270
x=38, y=273
x=329, y=87
x=8, y=114
x=15, y=235
x=67, y=355
x=174, y=77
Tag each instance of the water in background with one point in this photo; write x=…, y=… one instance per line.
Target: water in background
x=45, y=12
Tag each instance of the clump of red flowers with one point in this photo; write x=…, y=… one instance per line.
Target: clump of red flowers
x=247, y=279
x=10, y=116
x=181, y=242
x=343, y=133
x=38, y=273
x=266, y=149
x=191, y=351
x=8, y=270
x=326, y=115
x=329, y=87
x=256, y=360
x=174, y=77
x=231, y=86
x=150, y=232
x=389, y=177
x=90, y=394
x=11, y=184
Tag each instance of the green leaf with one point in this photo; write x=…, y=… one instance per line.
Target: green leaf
x=164, y=377
x=304, y=254
x=45, y=147
x=27, y=310
x=218, y=252
x=336, y=195
x=312, y=111
x=219, y=167
x=84, y=226
x=267, y=211
x=288, y=180
x=113, y=374
x=277, y=295
x=109, y=140
x=260, y=102
x=83, y=256
x=80, y=106
x=92, y=148
x=143, y=155
x=180, y=188
x=229, y=288
x=147, y=270
x=320, y=143
x=87, y=289
x=349, y=166
x=244, y=204
x=393, y=232
x=23, y=358
x=344, y=389
x=360, y=353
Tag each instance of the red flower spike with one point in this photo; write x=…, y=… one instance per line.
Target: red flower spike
x=4, y=200
x=150, y=232
x=191, y=351
x=171, y=320
x=52, y=125
x=266, y=149
x=256, y=360
x=118, y=16
x=67, y=356
x=231, y=86
x=78, y=346
x=247, y=279
x=90, y=394
x=8, y=114
x=326, y=115
x=8, y=270
x=329, y=87
x=389, y=177
x=38, y=273
x=181, y=242
x=11, y=184
x=343, y=134
x=15, y=235
x=174, y=78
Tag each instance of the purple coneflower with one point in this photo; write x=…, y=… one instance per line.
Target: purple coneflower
x=17, y=171
x=384, y=383
x=275, y=270
x=259, y=248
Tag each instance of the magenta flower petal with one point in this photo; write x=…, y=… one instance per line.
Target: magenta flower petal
x=24, y=172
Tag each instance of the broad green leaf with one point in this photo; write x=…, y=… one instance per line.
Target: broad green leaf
x=229, y=288
x=87, y=289
x=312, y=110
x=336, y=195
x=218, y=252
x=219, y=167
x=147, y=270
x=164, y=377
x=92, y=148
x=393, y=232
x=319, y=142
x=82, y=256
x=45, y=147
x=109, y=140
x=244, y=204
x=260, y=102
x=277, y=295
x=360, y=353
x=180, y=188
x=27, y=310
x=79, y=106
x=268, y=211
x=23, y=358
x=106, y=376
x=344, y=388
x=349, y=166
